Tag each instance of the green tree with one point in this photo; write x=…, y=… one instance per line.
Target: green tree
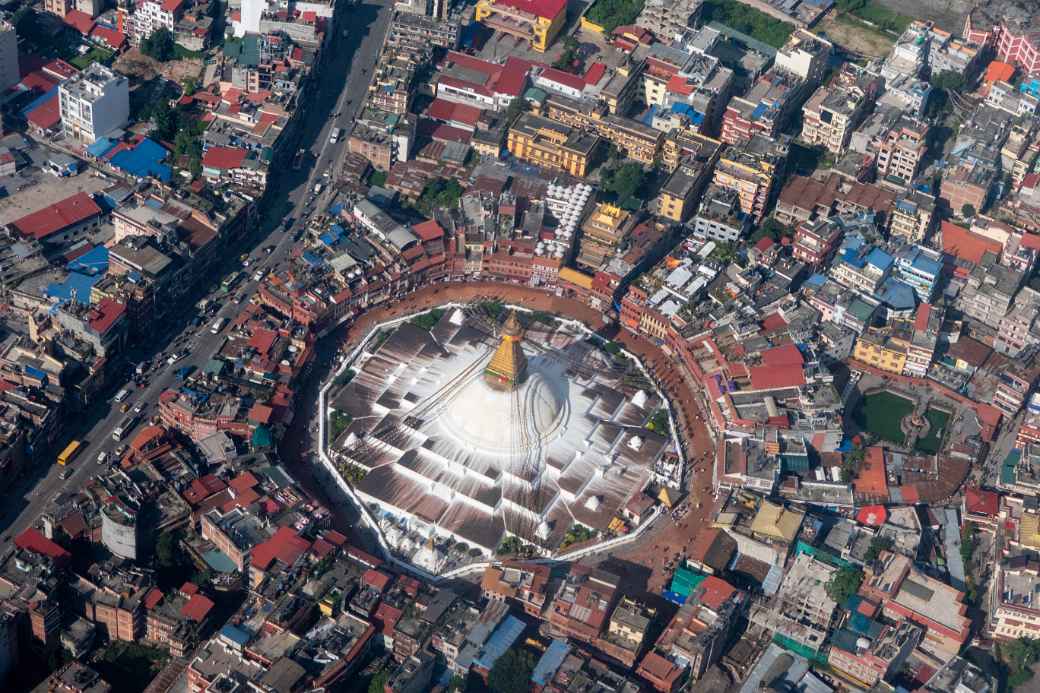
x=1019, y=656
x=516, y=107
x=378, y=682
x=512, y=672
x=844, y=583
x=166, y=550
x=623, y=182
x=165, y=119
x=160, y=45
x=948, y=80
x=877, y=545
x=968, y=211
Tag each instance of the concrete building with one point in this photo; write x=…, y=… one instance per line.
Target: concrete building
x=551, y=145
x=837, y=108
x=901, y=152
x=668, y=19
x=913, y=217
x=94, y=103
x=535, y=21
x=805, y=55
x=752, y=169
x=9, y=74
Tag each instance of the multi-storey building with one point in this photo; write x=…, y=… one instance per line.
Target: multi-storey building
x=1016, y=583
x=836, y=109
x=602, y=234
x=912, y=217
x=93, y=103
x=765, y=109
x=535, y=21
x=1013, y=388
x=815, y=241
x=883, y=349
x=667, y=19
x=152, y=15
x=9, y=74
x=1011, y=29
x=551, y=145
x=753, y=168
x=900, y=153
x=719, y=217
x=805, y=55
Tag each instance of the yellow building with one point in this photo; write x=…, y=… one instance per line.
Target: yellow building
x=551, y=145
x=602, y=234
x=535, y=21
x=880, y=349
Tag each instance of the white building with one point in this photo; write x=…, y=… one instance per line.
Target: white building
x=152, y=15
x=94, y=103
x=249, y=17
x=8, y=55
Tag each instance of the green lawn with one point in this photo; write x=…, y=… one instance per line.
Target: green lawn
x=747, y=20
x=937, y=421
x=881, y=413
x=94, y=55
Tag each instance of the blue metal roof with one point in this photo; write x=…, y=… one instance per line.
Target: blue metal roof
x=501, y=640
x=923, y=263
x=879, y=258
x=144, y=160
x=236, y=635
x=77, y=283
x=897, y=295
x=93, y=262
x=550, y=662
x=101, y=147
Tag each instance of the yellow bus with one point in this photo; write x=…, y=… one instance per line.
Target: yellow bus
x=68, y=453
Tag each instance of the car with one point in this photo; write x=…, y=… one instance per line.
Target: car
x=139, y=407
x=125, y=407
x=65, y=473
x=102, y=457
x=120, y=451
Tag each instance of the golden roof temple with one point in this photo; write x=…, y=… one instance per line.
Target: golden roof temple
x=508, y=367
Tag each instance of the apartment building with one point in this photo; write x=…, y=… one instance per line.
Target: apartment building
x=719, y=217
x=551, y=144
x=912, y=217
x=816, y=241
x=753, y=168
x=93, y=103
x=883, y=349
x=765, y=109
x=805, y=55
x=9, y=73
x=150, y=16
x=667, y=19
x=836, y=109
x=901, y=152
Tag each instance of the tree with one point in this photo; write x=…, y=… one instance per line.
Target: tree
x=160, y=45
x=844, y=583
x=378, y=682
x=1019, y=655
x=165, y=119
x=948, y=80
x=166, y=550
x=877, y=545
x=516, y=107
x=623, y=182
x=512, y=672
x=968, y=211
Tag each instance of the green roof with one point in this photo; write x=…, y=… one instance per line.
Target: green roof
x=860, y=309
x=685, y=581
x=1007, y=469
x=244, y=51
x=262, y=437
x=213, y=367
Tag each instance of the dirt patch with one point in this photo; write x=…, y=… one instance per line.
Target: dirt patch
x=855, y=37
x=135, y=64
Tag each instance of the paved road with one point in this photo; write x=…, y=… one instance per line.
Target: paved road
x=353, y=55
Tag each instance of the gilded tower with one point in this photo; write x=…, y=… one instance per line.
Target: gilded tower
x=508, y=366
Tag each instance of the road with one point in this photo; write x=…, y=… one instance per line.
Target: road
x=289, y=191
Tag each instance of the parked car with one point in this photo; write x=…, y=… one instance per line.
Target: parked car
x=102, y=457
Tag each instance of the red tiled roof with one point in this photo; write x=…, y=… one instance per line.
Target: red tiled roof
x=145, y=436
x=197, y=608
x=962, y=243
x=260, y=413
x=114, y=39
x=773, y=322
x=871, y=479
x=439, y=109
x=38, y=81
x=105, y=314
x=334, y=537
x=285, y=545
x=152, y=599
x=223, y=157
x=786, y=355
x=80, y=21
x=680, y=85
x=997, y=71
x=872, y=515
x=387, y=616
x=172, y=5
x=244, y=481
x=513, y=77
x=60, y=215
x=773, y=377
x=981, y=502
x=546, y=9
x=714, y=592
x=33, y=540
x=376, y=579
x=203, y=487
x=551, y=74
x=595, y=73
x=924, y=312
x=428, y=230
x=262, y=339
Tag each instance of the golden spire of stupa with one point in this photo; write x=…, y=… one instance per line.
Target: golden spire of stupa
x=508, y=366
